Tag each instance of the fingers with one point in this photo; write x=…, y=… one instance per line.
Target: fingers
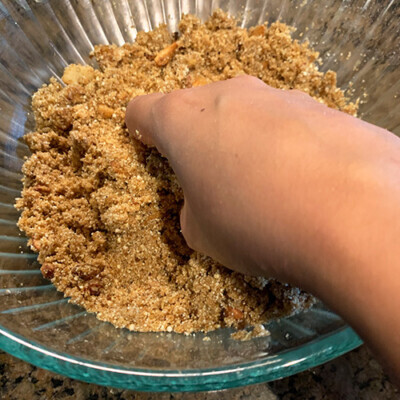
x=218, y=248
x=164, y=120
x=140, y=118
x=161, y=119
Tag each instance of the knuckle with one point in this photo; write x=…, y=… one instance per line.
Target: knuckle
x=249, y=80
x=168, y=104
x=223, y=103
x=245, y=77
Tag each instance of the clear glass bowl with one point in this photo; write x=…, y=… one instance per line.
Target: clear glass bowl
x=358, y=39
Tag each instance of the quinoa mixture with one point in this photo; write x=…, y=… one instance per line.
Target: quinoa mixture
x=102, y=210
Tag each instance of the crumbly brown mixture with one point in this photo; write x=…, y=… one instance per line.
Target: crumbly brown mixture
x=102, y=209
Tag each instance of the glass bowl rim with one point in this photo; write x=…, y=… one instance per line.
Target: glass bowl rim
x=310, y=354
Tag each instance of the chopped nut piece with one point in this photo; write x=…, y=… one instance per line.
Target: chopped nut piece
x=48, y=271
x=78, y=74
x=87, y=271
x=166, y=54
x=104, y=111
x=200, y=81
x=234, y=312
x=41, y=189
x=258, y=31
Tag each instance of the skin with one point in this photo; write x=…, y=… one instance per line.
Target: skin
x=279, y=185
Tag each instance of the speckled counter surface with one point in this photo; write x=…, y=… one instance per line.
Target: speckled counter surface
x=353, y=376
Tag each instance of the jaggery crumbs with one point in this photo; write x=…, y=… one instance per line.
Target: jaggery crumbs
x=102, y=209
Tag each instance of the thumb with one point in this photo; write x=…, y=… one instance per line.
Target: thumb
x=140, y=118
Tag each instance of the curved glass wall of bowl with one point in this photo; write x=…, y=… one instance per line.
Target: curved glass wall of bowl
x=358, y=39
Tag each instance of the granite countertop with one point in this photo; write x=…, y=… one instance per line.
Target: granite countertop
x=356, y=375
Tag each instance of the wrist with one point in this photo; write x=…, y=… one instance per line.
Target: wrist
x=343, y=235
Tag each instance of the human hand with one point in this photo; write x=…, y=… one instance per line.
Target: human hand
x=263, y=170
x=277, y=184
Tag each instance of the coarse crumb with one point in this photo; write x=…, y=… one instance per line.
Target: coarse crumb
x=255, y=332
x=102, y=209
